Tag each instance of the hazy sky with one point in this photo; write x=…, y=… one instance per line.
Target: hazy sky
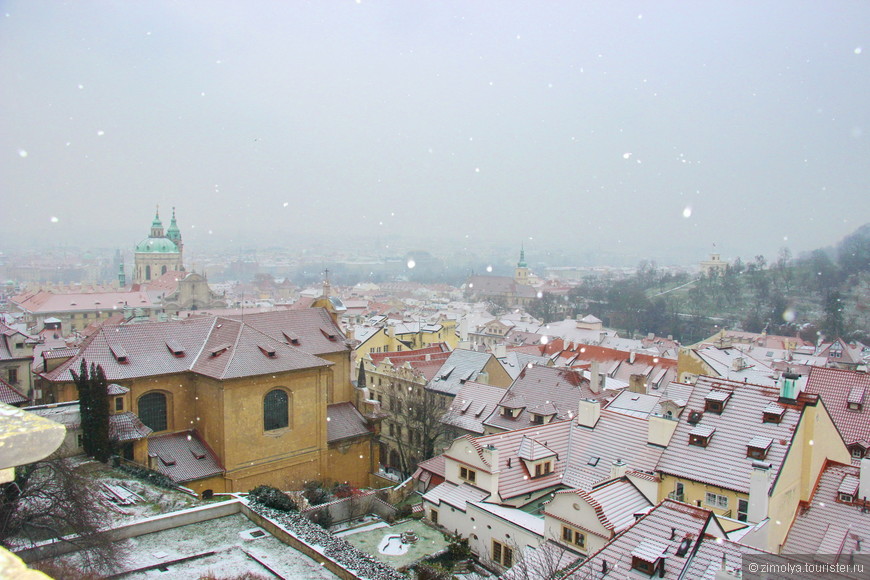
x=656, y=128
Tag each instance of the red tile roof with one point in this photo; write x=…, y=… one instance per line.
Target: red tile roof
x=344, y=421
x=307, y=324
x=542, y=389
x=835, y=386
x=825, y=518
x=183, y=456
x=724, y=462
x=216, y=347
x=10, y=395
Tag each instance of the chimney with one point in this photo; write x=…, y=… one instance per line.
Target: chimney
x=588, y=412
x=788, y=389
x=631, y=356
x=637, y=384
x=463, y=329
x=617, y=469
x=660, y=430
x=500, y=350
x=490, y=453
x=759, y=486
x=864, y=483
x=595, y=377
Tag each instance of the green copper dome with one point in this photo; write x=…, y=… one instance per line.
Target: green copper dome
x=157, y=246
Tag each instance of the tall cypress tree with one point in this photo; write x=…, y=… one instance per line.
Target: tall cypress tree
x=94, y=409
x=83, y=384
x=361, y=377
x=100, y=415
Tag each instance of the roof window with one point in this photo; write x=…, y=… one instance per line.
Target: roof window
x=269, y=351
x=219, y=350
x=175, y=347
x=773, y=413
x=701, y=435
x=291, y=338
x=119, y=353
x=758, y=447
x=716, y=400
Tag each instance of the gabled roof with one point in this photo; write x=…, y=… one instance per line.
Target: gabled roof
x=723, y=462
x=616, y=436
x=472, y=405
x=660, y=534
x=532, y=450
x=463, y=366
x=183, y=456
x=543, y=389
x=46, y=302
x=454, y=495
x=615, y=503
x=835, y=386
x=307, y=323
x=344, y=421
x=10, y=395
x=824, y=518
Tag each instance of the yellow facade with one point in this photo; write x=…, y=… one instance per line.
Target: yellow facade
x=815, y=440
x=388, y=340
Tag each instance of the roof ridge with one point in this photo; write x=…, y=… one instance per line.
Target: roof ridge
x=203, y=343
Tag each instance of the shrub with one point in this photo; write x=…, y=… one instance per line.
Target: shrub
x=322, y=518
x=432, y=572
x=148, y=475
x=273, y=498
x=315, y=493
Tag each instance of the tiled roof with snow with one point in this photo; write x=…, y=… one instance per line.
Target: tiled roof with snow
x=616, y=436
x=659, y=534
x=724, y=462
x=216, y=347
x=472, y=405
x=10, y=395
x=460, y=367
x=344, y=421
x=835, y=387
x=454, y=495
x=559, y=388
x=827, y=525
x=183, y=457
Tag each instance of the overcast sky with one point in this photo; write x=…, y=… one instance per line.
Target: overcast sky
x=658, y=128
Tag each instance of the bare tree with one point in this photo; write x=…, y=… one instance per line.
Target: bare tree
x=544, y=562
x=48, y=500
x=418, y=431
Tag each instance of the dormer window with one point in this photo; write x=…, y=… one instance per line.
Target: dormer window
x=543, y=468
x=695, y=417
x=758, y=447
x=467, y=474
x=537, y=419
x=716, y=400
x=119, y=353
x=855, y=401
x=649, y=557
x=701, y=435
x=848, y=489
x=510, y=412
x=845, y=497
x=773, y=413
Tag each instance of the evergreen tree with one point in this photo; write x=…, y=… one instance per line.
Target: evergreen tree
x=94, y=408
x=83, y=384
x=100, y=417
x=361, y=377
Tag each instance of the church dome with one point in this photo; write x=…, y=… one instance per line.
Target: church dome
x=157, y=246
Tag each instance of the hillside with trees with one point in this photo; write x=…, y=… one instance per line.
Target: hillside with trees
x=824, y=294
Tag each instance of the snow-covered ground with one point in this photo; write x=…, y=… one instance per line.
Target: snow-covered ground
x=227, y=547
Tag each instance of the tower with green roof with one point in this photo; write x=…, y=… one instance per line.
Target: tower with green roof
x=521, y=274
x=159, y=253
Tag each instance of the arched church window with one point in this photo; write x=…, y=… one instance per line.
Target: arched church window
x=276, y=410
x=152, y=410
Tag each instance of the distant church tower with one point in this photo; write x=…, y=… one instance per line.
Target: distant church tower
x=521, y=274
x=158, y=253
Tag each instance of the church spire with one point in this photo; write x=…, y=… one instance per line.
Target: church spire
x=157, y=225
x=522, y=262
